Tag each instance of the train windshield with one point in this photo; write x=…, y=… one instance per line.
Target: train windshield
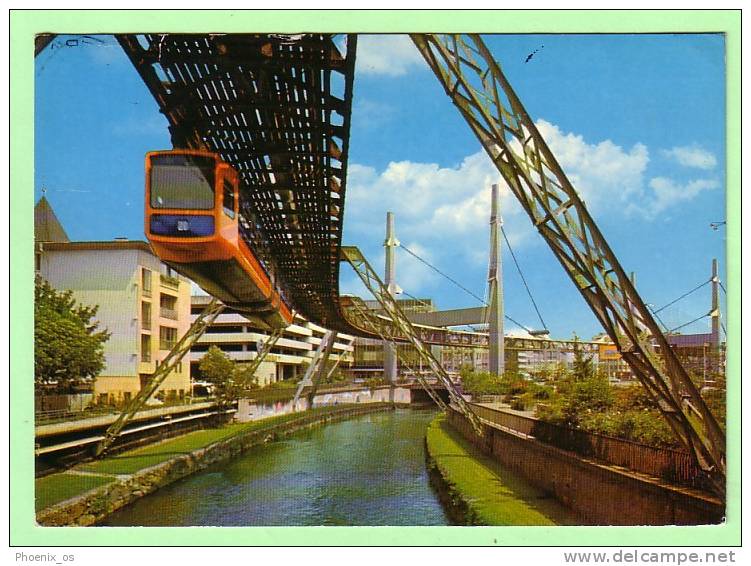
x=183, y=182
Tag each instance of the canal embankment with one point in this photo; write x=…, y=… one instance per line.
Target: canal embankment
x=88, y=493
x=477, y=490
x=601, y=493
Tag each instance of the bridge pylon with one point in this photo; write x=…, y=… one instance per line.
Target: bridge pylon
x=496, y=359
x=389, y=348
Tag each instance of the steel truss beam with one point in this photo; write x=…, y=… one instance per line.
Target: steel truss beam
x=316, y=369
x=277, y=108
x=399, y=325
x=366, y=318
x=165, y=367
x=477, y=87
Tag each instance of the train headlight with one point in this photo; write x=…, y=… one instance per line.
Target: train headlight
x=183, y=225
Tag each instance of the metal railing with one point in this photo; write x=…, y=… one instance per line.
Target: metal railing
x=666, y=463
x=165, y=312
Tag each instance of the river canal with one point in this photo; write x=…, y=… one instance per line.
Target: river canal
x=365, y=471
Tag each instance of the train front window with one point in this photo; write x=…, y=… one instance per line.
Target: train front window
x=184, y=182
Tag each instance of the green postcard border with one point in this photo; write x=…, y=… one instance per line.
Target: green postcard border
x=23, y=26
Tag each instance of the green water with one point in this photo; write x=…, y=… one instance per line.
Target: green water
x=366, y=471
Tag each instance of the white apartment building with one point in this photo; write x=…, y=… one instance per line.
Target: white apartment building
x=145, y=308
x=239, y=339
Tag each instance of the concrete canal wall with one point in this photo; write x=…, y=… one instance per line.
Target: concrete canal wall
x=601, y=494
x=247, y=410
x=94, y=506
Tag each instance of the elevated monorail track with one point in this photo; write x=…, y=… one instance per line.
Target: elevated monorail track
x=277, y=108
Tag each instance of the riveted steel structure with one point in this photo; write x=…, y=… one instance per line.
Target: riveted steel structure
x=277, y=108
x=397, y=324
x=165, y=367
x=473, y=80
x=365, y=318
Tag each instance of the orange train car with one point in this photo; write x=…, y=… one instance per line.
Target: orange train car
x=192, y=221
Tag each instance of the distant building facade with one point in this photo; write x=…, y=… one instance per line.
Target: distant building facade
x=237, y=337
x=144, y=306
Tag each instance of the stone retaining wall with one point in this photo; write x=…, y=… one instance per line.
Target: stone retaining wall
x=601, y=494
x=95, y=505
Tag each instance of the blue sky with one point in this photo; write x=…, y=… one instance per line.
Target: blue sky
x=636, y=121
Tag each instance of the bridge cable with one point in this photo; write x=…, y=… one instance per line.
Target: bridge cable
x=406, y=249
x=519, y=269
x=690, y=322
x=657, y=316
x=454, y=281
x=683, y=296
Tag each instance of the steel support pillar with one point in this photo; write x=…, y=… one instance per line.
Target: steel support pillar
x=496, y=359
x=473, y=80
x=316, y=369
x=165, y=367
x=264, y=349
x=370, y=321
x=399, y=325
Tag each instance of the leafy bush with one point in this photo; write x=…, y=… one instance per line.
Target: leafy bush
x=591, y=404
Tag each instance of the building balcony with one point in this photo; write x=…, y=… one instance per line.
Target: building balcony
x=165, y=345
x=164, y=312
x=146, y=324
x=169, y=282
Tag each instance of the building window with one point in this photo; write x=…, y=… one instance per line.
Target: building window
x=143, y=379
x=38, y=261
x=146, y=281
x=126, y=396
x=145, y=348
x=168, y=306
x=167, y=337
x=146, y=315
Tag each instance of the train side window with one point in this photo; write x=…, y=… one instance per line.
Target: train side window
x=229, y=199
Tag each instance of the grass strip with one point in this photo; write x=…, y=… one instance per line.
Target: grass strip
x=134, y=460
x=494, y=495
x=61, y=486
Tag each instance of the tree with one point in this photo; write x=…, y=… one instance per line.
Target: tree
x=584, y=368
x=219, y=370
x=68, y=347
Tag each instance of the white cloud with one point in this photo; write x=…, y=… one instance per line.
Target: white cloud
x=391, y=55
x=692, y=156
x=441, y=213
x=600, y=172
x=445, y=211
x=666, y=193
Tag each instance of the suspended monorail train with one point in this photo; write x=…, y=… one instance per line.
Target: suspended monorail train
x=193, y=223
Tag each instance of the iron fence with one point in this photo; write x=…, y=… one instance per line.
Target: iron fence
x=669, y=464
